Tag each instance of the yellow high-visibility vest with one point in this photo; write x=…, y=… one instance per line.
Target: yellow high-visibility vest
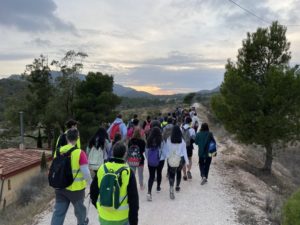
x=79, y=182
x=111, y=214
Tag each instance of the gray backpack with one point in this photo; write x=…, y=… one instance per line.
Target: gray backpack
x=186, y=136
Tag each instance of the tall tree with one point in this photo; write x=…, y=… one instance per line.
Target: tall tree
x=70, y=66
x=259, y=98
x=95, y=102
x=39, y=79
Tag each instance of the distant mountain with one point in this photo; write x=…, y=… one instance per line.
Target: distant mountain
x=205, y=92
x=117, y=89
x=130, y=92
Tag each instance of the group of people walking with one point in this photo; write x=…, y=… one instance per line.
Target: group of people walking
x=115, y=156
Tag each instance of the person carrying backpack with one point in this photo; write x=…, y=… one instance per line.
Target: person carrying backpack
x=147, y=126
x=132, y=128
x=195, y=122
x=135, y=155
x=203, y=140
x=154, y=152
x=188, y=135
x=98, y=149
x=118, y=126
x=114, y=191
x=62, y=140
x=176, y=158
x=69, y=159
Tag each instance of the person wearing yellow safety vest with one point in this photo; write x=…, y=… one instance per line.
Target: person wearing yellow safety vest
x=76, y=191
x=61, y=140
x=127, y=212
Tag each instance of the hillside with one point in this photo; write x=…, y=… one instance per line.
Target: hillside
x=118, y=89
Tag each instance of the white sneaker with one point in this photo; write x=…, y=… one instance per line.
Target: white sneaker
x=149, y=197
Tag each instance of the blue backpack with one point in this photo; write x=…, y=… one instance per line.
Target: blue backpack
x=153, y=157
x=212, y=148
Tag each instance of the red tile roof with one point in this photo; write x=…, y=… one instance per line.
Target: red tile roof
x=15, y=161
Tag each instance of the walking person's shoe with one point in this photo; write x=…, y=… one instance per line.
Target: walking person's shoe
x=149, y=197
x=172, y=196
x=86, y=221
x=204, y=180
x=158, y=189
x=185, y=178
x=177, y=189
x=189, y=175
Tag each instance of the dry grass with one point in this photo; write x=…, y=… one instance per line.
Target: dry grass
x=33, y=199
x=246, y=217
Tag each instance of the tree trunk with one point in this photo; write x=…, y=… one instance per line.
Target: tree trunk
x=269, y=158
x=39, y=142
x=49, y=136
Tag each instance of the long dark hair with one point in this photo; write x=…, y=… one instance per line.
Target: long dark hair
x=155, y=138
x=98, y=140
x=176, y=135
x=204, y=127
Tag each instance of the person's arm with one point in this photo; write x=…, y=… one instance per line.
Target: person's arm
x=184, y=152
x=108, y=130
x=84, y=167
x=133, y=200
x=143, y=146
x=197, y=141
x=78, y=143
x=123, y=129
x=192, y=133
x=94, y=191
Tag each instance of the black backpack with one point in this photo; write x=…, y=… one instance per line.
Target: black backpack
x=60, y=174
x=62, y=141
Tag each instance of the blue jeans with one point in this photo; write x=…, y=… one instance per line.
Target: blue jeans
x=62, y=202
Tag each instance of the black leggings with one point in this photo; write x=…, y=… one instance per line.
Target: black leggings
x=174, y=171
x=152, y=171
x=204, y=164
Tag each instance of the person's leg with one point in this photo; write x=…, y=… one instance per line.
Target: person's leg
x=80, y=212
x=60, y=208
x=133, y=168
x=207, y=165
x=202, y=166
x=189, y=167
x=171, y=172
x=141, y=176
x=77, y=200
x=178, y=178
x=151, y=178
x=159, y=175
x=184, y=168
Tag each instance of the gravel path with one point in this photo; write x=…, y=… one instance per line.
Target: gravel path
x=210, y=204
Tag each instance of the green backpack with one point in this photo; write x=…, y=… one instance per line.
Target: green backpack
x=109, y=190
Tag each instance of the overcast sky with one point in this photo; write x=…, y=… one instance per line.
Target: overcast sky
x=160, y=46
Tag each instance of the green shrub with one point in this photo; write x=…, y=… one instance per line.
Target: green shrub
x=291, y=210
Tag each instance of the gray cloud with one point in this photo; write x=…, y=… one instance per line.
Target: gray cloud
x=15, y=56
x=39, y=42
x=32, y=16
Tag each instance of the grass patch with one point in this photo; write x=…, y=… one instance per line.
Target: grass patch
x=291, y=210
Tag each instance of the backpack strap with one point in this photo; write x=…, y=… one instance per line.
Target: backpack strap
x=69, y=153
x=207, y=140
x=119, y=173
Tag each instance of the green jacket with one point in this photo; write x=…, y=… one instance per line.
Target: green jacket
x=202, y=139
